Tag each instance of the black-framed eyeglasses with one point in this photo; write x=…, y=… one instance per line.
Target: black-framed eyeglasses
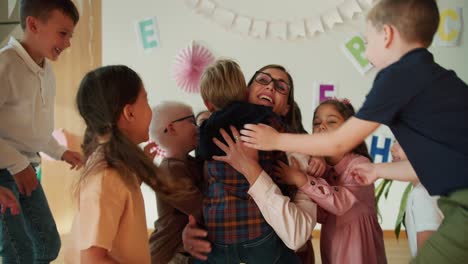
x=264, y=78
x=192, y=117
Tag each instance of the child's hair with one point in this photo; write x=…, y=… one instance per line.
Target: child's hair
x=101, y=98
x=346, y=110
x=163, y=114
x=296, y=122
x=416, y=20
x=223, y=83
x=289, y=118
x=41, y=9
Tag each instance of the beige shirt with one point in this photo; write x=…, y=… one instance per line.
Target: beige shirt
x=111, y=215
x=294, y=221
x=27, y=98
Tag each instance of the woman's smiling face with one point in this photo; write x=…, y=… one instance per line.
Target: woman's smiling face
x=267, y=95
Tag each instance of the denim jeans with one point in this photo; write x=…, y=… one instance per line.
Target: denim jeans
x=31, y=236
x=267, y=249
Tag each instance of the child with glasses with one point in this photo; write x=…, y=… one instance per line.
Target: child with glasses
x=173, y=128
x=236, y=227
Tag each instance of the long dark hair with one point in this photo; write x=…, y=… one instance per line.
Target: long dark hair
x=290, y=116
x=346, y=110
x=101, y=98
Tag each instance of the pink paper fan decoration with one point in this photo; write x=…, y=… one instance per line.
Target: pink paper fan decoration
x=189, y=66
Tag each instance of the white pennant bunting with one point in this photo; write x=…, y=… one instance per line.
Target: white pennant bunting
x=242, y=24
x=206, y=7
x=259, y=29
x=331, y=18
x=349, y=7
x=297, y=29
x=286, y=29
x=11, y=7
x=224, y=17
x=314, y=25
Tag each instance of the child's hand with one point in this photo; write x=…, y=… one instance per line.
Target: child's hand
x=316, y=167
x=75, y=159
x=8, y=200
x=26, y=180
x=364, y=173
x=259, y=136
x=291, y=174
x=151, y=150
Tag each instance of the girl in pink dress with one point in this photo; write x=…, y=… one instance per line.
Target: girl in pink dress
x=347, y=210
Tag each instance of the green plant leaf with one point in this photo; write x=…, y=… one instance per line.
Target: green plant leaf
x=388, y=189
x=379, y=190
x=402, y=210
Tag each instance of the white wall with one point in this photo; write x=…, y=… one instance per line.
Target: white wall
x=309, y=60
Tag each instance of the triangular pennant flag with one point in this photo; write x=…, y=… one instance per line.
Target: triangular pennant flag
x=331, y=18
x=297, y=29
x=242, y=24
x=349, y=7
x=314, y=25
x=259, y=29
x=279, y=30
x=224, y=17
x=206, y=7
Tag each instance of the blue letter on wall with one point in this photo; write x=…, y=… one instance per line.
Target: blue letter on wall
x=383, y=152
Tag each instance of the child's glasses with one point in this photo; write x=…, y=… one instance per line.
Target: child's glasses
x=191, y=117
x=264, y=78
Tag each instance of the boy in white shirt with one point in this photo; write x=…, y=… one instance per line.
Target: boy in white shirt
x=423, y=216
x=27, y=93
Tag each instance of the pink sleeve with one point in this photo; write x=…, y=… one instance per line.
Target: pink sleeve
x=334, y=199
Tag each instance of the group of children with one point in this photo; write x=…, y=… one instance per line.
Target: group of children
x=232, y=203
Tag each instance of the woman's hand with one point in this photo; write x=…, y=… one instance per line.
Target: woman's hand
x=291, y=174
x=260, y=136
x=194, y=241
x=241, y=158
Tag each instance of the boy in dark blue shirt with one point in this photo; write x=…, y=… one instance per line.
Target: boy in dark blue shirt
x=426, y=108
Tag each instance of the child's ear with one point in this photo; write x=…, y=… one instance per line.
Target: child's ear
x=31, y=24
x=389, y=34
x=171, y=129
x=127, y=112
x=209, y=105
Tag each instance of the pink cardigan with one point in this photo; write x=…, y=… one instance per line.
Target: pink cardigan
x=350, y=231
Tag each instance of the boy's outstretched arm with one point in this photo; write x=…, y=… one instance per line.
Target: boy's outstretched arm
x=399, y=171
x=350, y=134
